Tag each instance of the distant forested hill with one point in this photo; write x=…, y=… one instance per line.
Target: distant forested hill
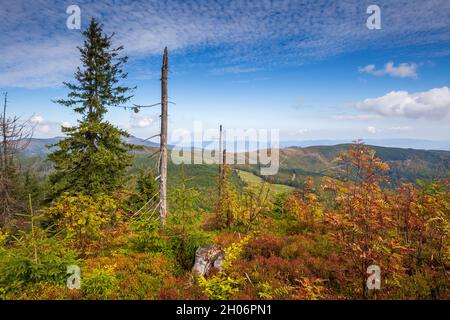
x=296, y=163
x=406, y=165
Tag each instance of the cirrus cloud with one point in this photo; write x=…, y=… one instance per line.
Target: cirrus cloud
x=214, y=34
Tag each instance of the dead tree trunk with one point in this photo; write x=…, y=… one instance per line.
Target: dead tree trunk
x=5, y=139
x=224, y=173
x=220, y=161
x=163, y=142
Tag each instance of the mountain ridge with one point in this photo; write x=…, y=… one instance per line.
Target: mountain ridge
x=406, y=164
x=37, y=146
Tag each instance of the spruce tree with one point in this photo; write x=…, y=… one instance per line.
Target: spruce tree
x=93, y=158
x=146, y=189
x=146, y=185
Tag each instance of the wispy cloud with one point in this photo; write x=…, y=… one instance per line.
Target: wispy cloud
x=234, y=70
x=403, y=70
x=357, y=117
x=37, y=50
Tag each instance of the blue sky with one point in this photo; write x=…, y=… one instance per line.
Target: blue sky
x=309, y=68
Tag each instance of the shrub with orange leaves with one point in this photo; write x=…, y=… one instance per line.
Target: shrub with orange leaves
x=305, y=206
x=423, y=224
x=362, y=220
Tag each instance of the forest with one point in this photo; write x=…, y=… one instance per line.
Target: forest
x=92, y=203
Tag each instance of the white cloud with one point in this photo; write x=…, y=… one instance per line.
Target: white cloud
x=141, y=121
x=37, y=120
x=371, y=129
x=47, y=127
x=433, y=104
x=403, y=70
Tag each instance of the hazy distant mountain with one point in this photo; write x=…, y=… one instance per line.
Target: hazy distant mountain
x=141, y=142
x=242, y=146
x=393, y=143
x=38, y=147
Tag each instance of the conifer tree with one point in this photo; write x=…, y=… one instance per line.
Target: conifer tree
x=146, y=187
x=93, y=158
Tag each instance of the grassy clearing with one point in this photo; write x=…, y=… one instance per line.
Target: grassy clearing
x=253, y=180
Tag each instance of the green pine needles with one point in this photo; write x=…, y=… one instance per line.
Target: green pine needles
x=93, y=158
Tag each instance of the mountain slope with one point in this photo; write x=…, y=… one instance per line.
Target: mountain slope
x=406, y=165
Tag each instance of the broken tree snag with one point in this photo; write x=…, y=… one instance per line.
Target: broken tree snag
x=208, y=259
x=224, y=162
x=223, y=177
x=220, y=161
x=163, y=143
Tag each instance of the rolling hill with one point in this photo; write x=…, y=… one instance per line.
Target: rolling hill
x=406, y=165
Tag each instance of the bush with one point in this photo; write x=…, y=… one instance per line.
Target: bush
x=82, y=218
x=146, y=237
x=19, y=268
x=220, y=287
x=100, y=284
x=3, y=239
x=266, y=245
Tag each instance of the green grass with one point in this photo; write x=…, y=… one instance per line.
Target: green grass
x=252, y=180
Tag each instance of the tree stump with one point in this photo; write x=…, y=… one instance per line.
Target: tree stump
x=208, y=259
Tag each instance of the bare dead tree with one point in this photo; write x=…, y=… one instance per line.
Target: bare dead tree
x=220, y=161
x=256, y=204
x=223, y=176
x=15, y=135
x=163, y=142
x=163, y=135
